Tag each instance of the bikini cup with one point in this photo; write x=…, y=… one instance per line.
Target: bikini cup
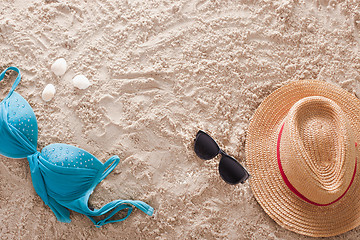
x=63, y=176
x=18, y=125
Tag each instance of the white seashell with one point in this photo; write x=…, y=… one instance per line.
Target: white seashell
x=80, y=81
x=48, y=93
x=59, y=67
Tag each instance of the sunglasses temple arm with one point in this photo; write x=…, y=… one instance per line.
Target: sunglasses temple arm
x=248, y=175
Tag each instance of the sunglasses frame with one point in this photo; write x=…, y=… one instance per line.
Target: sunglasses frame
x=223, y=154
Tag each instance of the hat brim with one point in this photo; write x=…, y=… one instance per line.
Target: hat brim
x=268, y=187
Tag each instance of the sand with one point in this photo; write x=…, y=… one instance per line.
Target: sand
x=160, y=71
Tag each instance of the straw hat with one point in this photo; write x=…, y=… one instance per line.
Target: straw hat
x=302, y=153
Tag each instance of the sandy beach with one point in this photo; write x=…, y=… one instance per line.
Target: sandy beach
x=160, y=71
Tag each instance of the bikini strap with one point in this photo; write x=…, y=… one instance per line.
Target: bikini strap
x=115, y=206
x=109, y=165
x=18, y=78
x=106, y=220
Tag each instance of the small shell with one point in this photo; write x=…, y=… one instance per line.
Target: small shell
x=48, y=93
x=81, y=82
x=59, y=67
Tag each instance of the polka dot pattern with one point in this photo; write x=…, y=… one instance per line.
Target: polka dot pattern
x=22, y=117
x=70, y=157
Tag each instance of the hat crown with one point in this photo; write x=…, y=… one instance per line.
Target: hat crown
x=317, y=149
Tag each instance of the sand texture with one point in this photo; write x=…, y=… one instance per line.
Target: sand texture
x=160, y=71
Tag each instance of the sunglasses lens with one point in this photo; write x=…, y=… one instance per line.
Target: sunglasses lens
x=205, y=147
x=231, y=170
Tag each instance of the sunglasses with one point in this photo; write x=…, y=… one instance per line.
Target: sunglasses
x=231, y=171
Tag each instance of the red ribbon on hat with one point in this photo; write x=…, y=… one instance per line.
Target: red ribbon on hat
x=293, y=189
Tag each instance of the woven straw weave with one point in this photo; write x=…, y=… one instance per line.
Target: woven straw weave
x=318, y=155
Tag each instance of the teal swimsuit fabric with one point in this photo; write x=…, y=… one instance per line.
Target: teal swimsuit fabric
x=63, y=176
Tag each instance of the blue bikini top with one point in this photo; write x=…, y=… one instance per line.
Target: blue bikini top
x=63, y=176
